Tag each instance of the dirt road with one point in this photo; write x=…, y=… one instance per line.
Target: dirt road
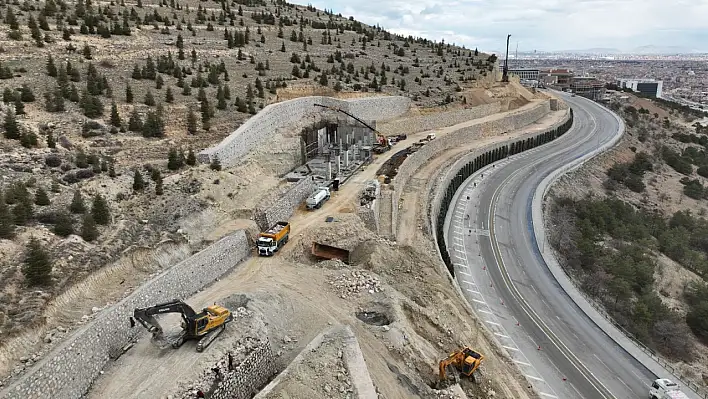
x=293, y=297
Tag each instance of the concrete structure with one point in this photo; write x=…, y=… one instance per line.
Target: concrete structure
x=649, y=87
x=588, y=87
x=523, y=73
x=558, y=77
x=294, y=115
x=69, y=370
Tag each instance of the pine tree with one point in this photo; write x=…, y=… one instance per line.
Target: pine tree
x=64, y=225
x=77, y=203
x=51, y=67
x=128, y=94
x=174, y=161
x=12, y=128
x=87, y=52
x=138, y=182
x=7, y=222
x=89, y=232
x=221, y=104
x=169, y=97
x=111, y=171
x=19, y=106
x=23, y=210
x=215, y=164
x=191, y=122
x=135, y=124
x=149, y=99
x=191, y=158
x=99, y=210
x=41, y=198
x=115, y=116
x=158, y=187
x=38, y=267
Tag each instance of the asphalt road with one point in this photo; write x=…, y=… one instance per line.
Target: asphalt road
x=560, y=350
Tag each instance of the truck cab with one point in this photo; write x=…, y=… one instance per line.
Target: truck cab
x=270, y=241
x=266, y=246
x=663, y=388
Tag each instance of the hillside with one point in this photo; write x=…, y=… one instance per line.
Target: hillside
x=631, y=228
x=95, y=92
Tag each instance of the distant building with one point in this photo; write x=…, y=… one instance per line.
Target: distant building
x=559, y=77
x=588, y=86
x=522, y=73
x=649, y=87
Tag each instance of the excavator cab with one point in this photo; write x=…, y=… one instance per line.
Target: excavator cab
x=466, y=361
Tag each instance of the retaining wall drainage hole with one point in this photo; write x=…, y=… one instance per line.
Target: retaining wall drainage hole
x=373, y=318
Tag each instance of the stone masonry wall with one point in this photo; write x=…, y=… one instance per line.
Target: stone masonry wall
x=249, y=376
x=70, y=369
x=422, y=123
x=369, y=214
x=412, y=163
x=265, y=123
x=283, y=207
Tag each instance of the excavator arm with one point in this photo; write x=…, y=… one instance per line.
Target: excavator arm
x=146, y=316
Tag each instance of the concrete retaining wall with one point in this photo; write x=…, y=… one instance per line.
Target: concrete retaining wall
x=288, y=114
x=283, y=207
x=412, y=163
x=69, y=370
x=422, y=123
x=249, y=376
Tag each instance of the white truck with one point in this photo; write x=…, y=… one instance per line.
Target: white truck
x=317, y=198
x=665, y=389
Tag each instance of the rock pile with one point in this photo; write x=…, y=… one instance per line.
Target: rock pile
x=354, y=282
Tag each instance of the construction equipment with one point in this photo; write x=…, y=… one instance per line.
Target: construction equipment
x=204, y=326
x=383, y=143
x=317, y=198
x=270, y=241
x=663, y=388
x=465, y=360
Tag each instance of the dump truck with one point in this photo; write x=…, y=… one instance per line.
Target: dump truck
x=325, y=251
x=270, y=241
x=317, y=198
x=663, y=388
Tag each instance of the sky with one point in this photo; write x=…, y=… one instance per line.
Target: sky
x=543, y=25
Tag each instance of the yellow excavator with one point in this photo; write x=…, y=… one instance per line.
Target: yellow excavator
x=465, y=360
x=204, y=326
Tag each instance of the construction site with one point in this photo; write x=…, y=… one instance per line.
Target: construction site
x=323, y=277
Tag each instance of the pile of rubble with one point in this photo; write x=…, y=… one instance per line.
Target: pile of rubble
x=354, y=282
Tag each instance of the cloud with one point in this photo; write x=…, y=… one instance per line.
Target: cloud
x=538, y=24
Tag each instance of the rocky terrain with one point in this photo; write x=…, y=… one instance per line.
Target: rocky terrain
x=97, y=93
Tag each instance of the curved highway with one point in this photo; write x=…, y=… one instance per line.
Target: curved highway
x=560, y=350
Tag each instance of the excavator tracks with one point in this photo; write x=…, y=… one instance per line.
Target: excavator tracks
x=209, y=338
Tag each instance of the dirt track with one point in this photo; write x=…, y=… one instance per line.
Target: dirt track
x=293, y=297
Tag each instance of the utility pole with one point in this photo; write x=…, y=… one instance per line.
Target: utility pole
x=505, y=74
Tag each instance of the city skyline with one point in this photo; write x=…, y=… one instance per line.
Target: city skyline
x=551, y=25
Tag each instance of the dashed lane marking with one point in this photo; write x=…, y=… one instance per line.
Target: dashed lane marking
x=534, y=378
x=510, y=348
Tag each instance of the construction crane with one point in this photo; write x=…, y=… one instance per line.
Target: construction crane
x=465, y=360
x=204, y=326
x=384, y=144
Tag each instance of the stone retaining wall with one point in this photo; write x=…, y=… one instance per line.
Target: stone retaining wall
x=69, y=370
x=513, y=121
x=249, y=376
x=369, y=214
x=422, y=123
x=287, y=114
x=284, y=206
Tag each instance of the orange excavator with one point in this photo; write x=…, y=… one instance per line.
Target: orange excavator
x=465, y=360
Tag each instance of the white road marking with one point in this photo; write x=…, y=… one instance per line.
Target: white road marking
x=478, y=301
x=547, y=395
x=485, y=311
x=501, y=335
x=510, y=348
x=623, y=383
x=463, y=273
x=493, y=323
x=534, y=378
x=521, y=363
x=603, y=363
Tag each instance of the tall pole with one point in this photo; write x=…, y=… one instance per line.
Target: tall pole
x=505, y=74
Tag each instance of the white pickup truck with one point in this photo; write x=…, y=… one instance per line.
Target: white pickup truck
x=665, y=389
